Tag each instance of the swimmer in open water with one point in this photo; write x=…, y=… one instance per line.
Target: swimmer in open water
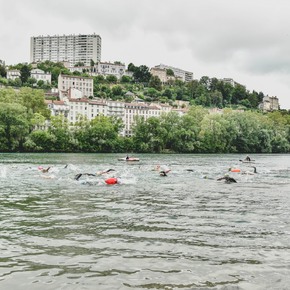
x=227, y=179
x=250, y=172
x=104, y=171
x=45, y=170
x=79, y=175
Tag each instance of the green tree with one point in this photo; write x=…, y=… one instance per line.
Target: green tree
x=170, y=72
x=125, y=79
x=24, y=73
x=141, y=74
x=13, y=126
x=155, y=83
x=112, y=79
x=40, y=141
x=117, y=90
x=59, y=128
x=33, y=100
x=3, y=71
x=131, y=67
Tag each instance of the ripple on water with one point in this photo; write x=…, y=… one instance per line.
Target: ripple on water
x=177, y=232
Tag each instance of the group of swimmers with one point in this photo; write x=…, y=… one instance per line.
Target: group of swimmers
x=229, y=179
x=163, y=170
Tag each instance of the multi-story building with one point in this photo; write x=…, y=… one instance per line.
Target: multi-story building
x=69, y=48
x=162, y=74
x=58, y=108
x=75, y=108
x=106, y=68
x=185, y=76
x=13, y=74
x=86, y=108
x=269, y=104
x=138, y=110
x=83, y=84
x=103, y=68
x=39, y=74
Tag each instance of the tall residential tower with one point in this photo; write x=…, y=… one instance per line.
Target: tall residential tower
x=66, y=48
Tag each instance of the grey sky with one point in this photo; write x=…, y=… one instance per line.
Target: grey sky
x=247, y=40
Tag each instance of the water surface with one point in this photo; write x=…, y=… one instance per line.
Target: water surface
x=183, y=231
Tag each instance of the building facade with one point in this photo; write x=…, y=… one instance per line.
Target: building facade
x=107, y=68
x=75, y=109
x=83, y=84
x=102, y=68
x=58, y=108
x=269, y=104
x=39, y=74
x=66, y=48
x=185, y=76
x=13, y=74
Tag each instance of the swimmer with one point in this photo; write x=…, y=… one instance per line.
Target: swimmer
x=250, y=172
x=163, y=168
x=162, y=173
x=104, y=172
x=227, y=179
x=247, y=158
x=45, y=170
x=78, y=176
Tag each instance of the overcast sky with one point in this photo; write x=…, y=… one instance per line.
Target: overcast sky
x=247, y=40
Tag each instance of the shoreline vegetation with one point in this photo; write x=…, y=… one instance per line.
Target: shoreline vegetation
x=241, y=128
x=23, y=115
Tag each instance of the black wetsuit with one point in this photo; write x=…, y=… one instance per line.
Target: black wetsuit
x=227, y=179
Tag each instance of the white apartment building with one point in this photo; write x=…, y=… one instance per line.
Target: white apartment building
x=39, y=74
x=73, y=109
x=69, y=48
x=102, y=68
x=86, y=108
x=83, y=84
x=185, y=76
x=13, y=74
x=134, y=110
x=57, y=108
x=81, y=69
x=107, y=68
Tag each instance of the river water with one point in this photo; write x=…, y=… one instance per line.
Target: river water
x=183, y=231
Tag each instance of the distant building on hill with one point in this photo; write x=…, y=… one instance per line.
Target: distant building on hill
x=83, y=84
x=161, y=73
x=269, y=104
x=228, y=81
x=57, y=108
x=13, y=74
x=102, y=68
x=185, y=76
x=72, y=48
x=107, y=68
x=39, y=74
